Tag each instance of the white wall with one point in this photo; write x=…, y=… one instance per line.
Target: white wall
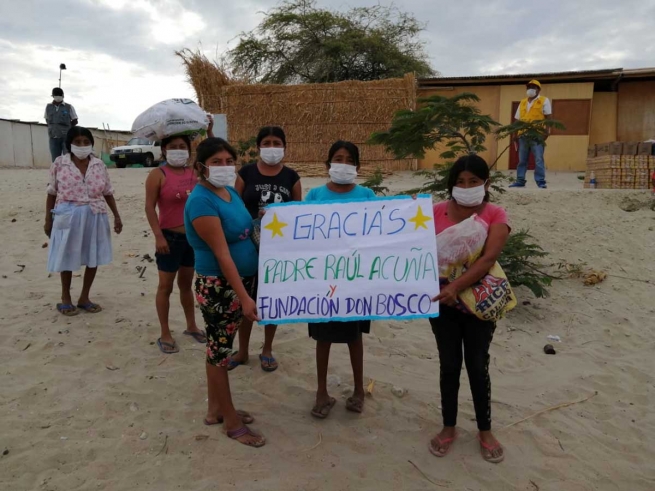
x=26, y=144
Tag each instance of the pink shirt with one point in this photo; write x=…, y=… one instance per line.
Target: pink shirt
x=173, y=195
x=70, y=186
x=491, y=214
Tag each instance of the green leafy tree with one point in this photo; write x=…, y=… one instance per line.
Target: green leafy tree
x=297, y=42
x=457, y=124
x=520, y=261
x=375, y=183
x=247, y=151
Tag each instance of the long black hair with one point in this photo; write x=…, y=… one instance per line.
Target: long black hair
x=208, y=148
x=472, y=163
x=76, y=131
x=271, y=131
x=350, y=147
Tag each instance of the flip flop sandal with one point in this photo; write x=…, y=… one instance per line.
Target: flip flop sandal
x=354, y=405
x=231, y=364
x=446, y=441
x=266, y=360
x=91, y=308
x=243, y=431
x=490, y=448
x=246, y=418
x=198, y=336
x=67, y=309
x=173, y=347
x=322, y=412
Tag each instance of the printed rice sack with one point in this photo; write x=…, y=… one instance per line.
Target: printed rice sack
x=171, y=117
x=458, y=247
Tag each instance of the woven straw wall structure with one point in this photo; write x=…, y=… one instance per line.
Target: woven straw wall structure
x=313, y=116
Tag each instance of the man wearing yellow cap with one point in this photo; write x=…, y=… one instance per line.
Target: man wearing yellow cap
x=535, y=107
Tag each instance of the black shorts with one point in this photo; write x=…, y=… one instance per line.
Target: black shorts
x=180, y=255
x=338, y=332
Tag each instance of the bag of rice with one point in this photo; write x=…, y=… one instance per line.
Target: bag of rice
x=171, y=117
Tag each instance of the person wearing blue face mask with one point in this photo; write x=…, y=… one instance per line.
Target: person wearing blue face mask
x=60, y=117
x=534, y=107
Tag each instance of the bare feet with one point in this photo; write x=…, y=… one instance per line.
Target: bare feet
x=490, y=448
x=441, y=443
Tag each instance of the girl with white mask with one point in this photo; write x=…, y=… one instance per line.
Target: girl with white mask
x=457, y=330
x=167, y=190
x=260, y=184
x=342, y=165
x=79, y=193
x=219, y=229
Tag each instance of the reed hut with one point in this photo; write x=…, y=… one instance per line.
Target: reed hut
x=313, y=115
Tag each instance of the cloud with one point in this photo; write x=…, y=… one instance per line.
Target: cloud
x=120, y=53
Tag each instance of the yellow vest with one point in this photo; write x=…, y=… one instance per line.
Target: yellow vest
x=536, y=112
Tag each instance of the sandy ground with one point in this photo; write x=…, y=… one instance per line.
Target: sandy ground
x=68, y=422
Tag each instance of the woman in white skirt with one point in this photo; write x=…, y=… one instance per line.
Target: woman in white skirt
x=76, y=218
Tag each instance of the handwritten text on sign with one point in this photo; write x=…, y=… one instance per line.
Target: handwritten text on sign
x=322, y=261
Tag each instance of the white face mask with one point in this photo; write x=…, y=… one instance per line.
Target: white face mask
x=469, y=196
x=177, y=158
x=343, y=173
x=222, y=176
x=81, y=152
x=531, y=93
x=271, y=155
x=58, y=98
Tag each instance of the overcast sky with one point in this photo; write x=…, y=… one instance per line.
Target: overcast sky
x=120, y=53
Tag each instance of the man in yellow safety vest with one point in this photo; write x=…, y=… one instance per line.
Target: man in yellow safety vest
x=535, y=107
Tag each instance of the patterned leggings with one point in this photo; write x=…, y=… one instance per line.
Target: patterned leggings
x=452, y=329
x=221, y=310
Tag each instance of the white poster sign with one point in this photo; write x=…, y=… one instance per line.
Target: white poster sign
x=348, y=260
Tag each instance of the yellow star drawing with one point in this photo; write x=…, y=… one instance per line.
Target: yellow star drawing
x=420, y=219
x=276, y=226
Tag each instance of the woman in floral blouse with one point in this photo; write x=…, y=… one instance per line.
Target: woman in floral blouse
x=76, y=220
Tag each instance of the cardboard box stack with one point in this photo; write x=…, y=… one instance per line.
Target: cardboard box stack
x=620, y=165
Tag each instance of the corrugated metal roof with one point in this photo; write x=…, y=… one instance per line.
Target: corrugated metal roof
x=607, y=71
x=126, y=132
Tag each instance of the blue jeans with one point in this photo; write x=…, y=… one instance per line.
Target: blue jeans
x=57, y=147
x=537, y=149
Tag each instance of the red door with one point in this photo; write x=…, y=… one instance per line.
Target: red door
x=513, y=149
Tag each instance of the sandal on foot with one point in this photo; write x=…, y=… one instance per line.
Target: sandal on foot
x=355, y=405
x=67, y=309
x=172, y=347
x=197, y=335
x=446, y=442
x=246, y=418
x=243, y=431
x=323, y=411
x=267, y=363
x=487, y=452
x=91, y=308
x=232, y=364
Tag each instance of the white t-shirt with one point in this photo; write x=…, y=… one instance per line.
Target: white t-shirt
x=71, y=108
x=547, y=109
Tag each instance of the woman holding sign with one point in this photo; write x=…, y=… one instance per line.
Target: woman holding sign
x=266, y=182
x=468, y=185
x=218, y=227
x=342, y=164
